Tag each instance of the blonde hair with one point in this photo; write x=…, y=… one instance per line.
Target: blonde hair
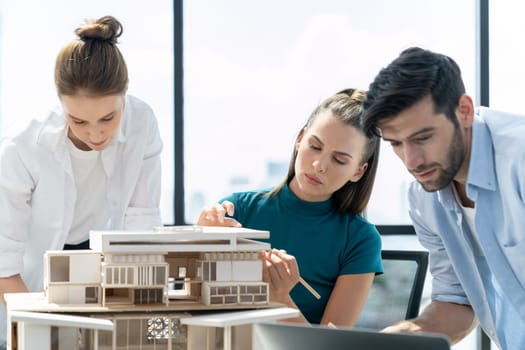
x=92, y=63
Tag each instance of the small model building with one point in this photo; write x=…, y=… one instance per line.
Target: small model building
x=207, y=264
x=147, y=285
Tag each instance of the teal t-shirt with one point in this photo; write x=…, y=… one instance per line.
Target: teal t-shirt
x=325, y=242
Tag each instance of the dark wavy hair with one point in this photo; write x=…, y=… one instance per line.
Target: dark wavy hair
x=415, y=74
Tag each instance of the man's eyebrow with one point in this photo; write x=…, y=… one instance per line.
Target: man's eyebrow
x=415, y=134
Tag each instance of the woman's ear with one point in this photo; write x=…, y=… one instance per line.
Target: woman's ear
x=359, y=173
x=299, y=139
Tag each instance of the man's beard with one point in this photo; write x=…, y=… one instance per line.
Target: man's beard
x=454, y=159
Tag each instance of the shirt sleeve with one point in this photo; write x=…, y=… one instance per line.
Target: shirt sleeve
x=15, y=209
x=143, y=211
x=445, y=284
x=363, y=249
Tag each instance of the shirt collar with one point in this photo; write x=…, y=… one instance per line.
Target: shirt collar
x=308, y=208
x=123, y=119
x=481, y=173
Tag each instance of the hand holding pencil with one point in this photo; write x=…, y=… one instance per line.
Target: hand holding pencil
x=282, y=272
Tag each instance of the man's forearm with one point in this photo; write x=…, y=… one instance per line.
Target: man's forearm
x=453, y=320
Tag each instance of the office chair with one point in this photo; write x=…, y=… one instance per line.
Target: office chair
x=396, y=294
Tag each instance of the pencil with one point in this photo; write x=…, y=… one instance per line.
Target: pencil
x=302, y=281
x=310, y=288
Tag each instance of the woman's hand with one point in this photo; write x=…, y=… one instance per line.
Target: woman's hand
x=281, y=271
x=216, y=215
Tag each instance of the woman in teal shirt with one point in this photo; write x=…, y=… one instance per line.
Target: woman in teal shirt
x=314, y=216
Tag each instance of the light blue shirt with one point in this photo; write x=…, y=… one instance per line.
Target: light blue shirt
x=490, y=276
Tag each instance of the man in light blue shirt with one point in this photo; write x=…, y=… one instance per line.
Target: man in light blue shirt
x=468, y=203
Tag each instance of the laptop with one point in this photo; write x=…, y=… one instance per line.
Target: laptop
x=287, y=336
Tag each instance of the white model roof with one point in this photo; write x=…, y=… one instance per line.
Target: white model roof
x=186, y=238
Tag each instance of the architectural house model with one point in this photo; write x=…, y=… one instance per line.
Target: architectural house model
x=207, y=264
x=148, y=290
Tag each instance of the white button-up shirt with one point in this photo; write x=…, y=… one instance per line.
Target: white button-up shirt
x=38, y=194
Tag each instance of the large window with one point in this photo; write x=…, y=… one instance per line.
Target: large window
x=253, y=72
x=507, y=57
x=32, y=33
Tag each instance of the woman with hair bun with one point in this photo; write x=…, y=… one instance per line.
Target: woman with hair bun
x=92, y=163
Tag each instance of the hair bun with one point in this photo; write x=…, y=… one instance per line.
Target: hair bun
x=355, y=94
x=106, y=28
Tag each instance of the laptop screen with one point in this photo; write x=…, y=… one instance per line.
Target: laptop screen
x=286, y=336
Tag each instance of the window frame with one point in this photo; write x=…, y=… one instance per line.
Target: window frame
x=482, y=86
x=482, y=69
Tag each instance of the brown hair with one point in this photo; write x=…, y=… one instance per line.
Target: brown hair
x=92, y=64
x=346, y=106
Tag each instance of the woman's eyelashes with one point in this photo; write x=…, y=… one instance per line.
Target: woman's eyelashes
x=336, y=159
x=103, y=120
x=108, y=118
x=339, y=161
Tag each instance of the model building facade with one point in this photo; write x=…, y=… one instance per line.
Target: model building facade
x=148, y=285
x=156, y=267
x=88, y=277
